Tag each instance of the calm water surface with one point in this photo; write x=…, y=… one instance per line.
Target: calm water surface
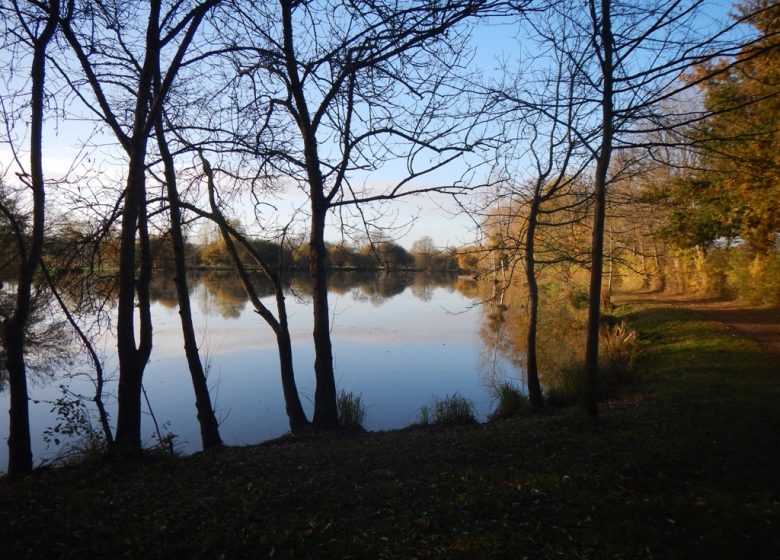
x=400, y=341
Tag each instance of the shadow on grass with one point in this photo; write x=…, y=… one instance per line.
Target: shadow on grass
x=687, y=469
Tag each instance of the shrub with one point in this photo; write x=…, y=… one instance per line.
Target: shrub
x=578, y=299
x=509, y=400
x=755, y=278
x=351, y=411
x=165, y=441
x=734, y=272
x=451, y=410
x=75, y=433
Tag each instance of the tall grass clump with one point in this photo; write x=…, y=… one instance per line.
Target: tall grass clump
x=509, y=400
x=618, y=349
x=451, y=410
x=351, y=411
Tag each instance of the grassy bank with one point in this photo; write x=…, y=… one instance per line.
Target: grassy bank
x=682, y=465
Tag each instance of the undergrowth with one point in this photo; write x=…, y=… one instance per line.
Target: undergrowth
x=509, y=399
x=452, y=409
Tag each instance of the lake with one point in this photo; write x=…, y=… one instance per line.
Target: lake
x=400, y=340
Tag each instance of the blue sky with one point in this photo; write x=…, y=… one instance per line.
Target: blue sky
x=436, y=217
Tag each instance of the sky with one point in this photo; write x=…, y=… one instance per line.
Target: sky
x=407, y=220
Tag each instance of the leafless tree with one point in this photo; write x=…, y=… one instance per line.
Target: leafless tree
x=209, y=426
x=335, y=90
x=541, y=171
x=273, y=272
x=120, y=48
x=34, y=25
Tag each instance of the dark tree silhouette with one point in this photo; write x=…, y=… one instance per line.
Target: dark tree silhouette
x=37, y=24
x=329, y=83
x=93, y=32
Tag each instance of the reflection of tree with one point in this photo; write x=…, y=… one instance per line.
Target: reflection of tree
x=342, y=282
x=422, y=290
x=47, y=341
x=162, y=290
x=503, y=332
x=423, y=283
x=300, y=285
x=228, y=293
x=366, y=286
x=468, y=287
x=393, y=284
x=385, y=285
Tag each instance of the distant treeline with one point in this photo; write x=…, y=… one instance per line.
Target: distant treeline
x=371, y=256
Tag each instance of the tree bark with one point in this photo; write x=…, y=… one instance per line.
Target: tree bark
x=532, y=372
x=134, y=228
x=295, y=414
x=325, y=406
x=19, y=444
x=292, y=401
x=132, y=358
x=661, y=286
x=207, y=420
x=590, y=382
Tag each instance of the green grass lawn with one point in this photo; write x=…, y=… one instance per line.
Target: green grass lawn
x=683, y=464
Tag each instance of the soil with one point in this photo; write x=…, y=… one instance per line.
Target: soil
x=760, y=324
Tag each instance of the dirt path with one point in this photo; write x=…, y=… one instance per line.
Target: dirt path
x=761, y=324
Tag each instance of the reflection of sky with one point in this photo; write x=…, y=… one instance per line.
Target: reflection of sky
x=398, y=355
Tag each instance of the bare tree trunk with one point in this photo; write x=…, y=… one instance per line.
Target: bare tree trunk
x=295, y=414
x=532, y=373
x=606, y=295
x=132, y=359
x=659, y=269
x=590, y=382
x=645, y=270
x=19, y=445
x=209, y=427
x=325, y=406
x=292, y=402
x=134, y=228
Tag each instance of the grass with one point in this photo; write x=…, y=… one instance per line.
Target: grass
x=510, y=400
x=452, y=410
x=618, y=349
x=351, y=410
x=683, y=465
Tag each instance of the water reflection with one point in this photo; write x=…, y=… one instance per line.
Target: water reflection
x=225, y=296
x=400, y=339
x=226, y=293
x=48, y=342
x=503, y=331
